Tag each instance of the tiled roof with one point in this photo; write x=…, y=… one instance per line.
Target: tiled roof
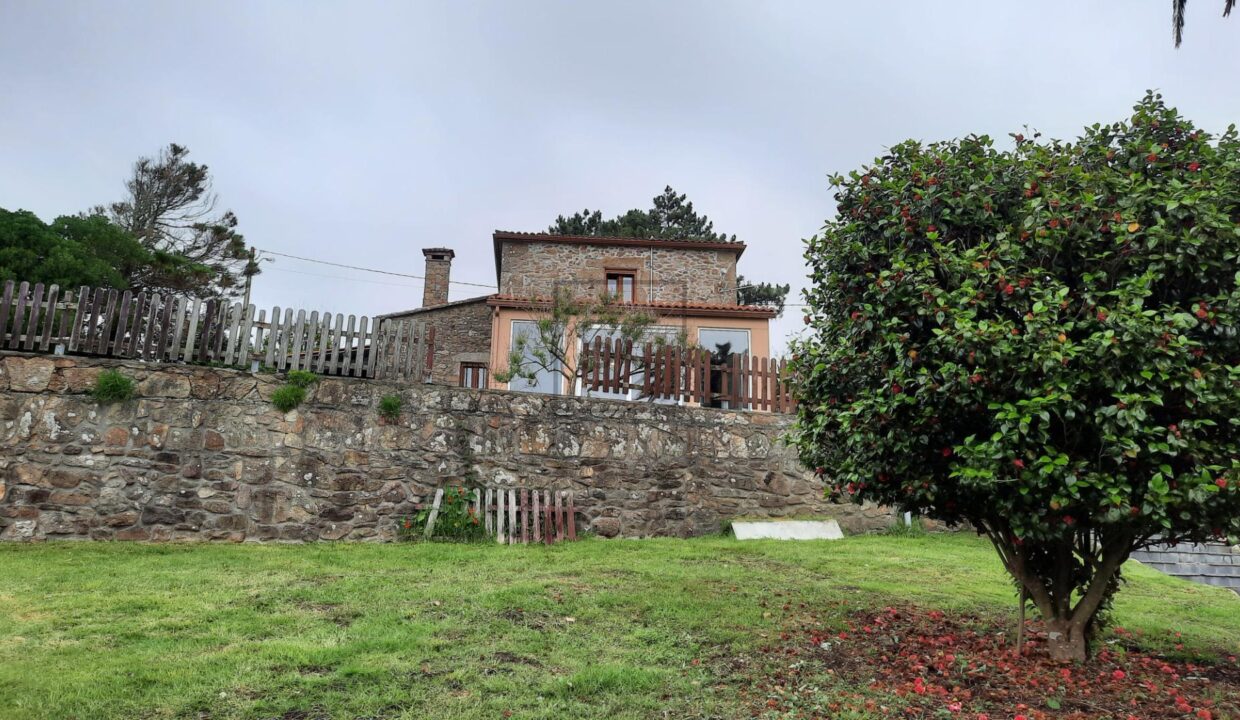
x=687, y=307
x=517, y=235
x=415, y=311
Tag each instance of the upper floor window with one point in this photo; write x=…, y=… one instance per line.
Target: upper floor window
x=473, y=375
x=622, y=286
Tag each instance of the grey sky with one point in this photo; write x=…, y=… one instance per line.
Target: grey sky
x=362, y=132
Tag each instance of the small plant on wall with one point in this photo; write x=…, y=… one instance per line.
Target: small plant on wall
x=293, y=393
x=390, y=407
x=287, y=397
x=111, y=387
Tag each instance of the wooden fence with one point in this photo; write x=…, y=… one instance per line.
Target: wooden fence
x=518, y=515
x=159, y=328
x=738, y=381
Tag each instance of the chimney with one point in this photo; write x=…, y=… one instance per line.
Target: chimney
x=438, y=267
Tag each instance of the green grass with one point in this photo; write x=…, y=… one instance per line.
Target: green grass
x=594, y=629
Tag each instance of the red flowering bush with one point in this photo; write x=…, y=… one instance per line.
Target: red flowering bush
x=1042, y=342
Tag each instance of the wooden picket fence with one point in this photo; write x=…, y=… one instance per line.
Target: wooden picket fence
x=519, y=515
x=167, y=328
x=739, y=381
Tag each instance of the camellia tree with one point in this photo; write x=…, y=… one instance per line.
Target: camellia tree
x=1040, y=342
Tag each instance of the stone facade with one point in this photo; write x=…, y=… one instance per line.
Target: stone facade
x=676, y=275
x=462, y=334
x=200, y=454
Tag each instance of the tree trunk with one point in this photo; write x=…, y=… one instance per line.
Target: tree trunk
x=1066, y=640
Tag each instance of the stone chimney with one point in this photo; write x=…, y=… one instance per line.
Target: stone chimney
x=438, y=268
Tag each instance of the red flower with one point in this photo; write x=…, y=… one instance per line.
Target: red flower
x=1221, y=482
x=932, y=228
x=1102, y=316
x=896, y=389
x=1068, y=520
x=947, y=452
x=1020, y=464
x=1008, y=289
x=1119, y=675
x=1152, y=157
x=1194, y=166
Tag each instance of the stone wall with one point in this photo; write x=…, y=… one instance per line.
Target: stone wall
x=462, y=334
x=201, y=454
x=692, y=275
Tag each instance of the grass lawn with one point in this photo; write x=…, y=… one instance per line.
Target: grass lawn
x=594, y=629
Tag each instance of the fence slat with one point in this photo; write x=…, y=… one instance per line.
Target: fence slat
x=487, y=525
x=241, y=354
x=559, y=516
x=548, y=522
x=363, y=355
x=118, y=337
x=233, y=335
x=525, y=516
x=178, y=324
x=131, y=333
x=273, y=336
x=74, y=335
x=191, y=329
x=49, y=317
x=4, y=310
x=346, y=349
x=536, y=528
x=430, y=521
x=376, y=342
x=153, y=309
x=333, y=361
x=32, y=323
x=572, y=517
x=256, y=349
x=283, y=332
x=512, y=515
x=19, y=315
x=66, y=318
x=499, y=516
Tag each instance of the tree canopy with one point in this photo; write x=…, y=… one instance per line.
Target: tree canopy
x=1178, y=7
x=171, y=209
x=670, y=217
x=72, y=251
x=1041, y=342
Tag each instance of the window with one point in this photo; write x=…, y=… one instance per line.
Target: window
x=622, y=285
x=473, y=375
x=722, y=343
x=547, y=379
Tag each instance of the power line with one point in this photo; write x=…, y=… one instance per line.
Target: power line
x=344, y=277
x=371, y=270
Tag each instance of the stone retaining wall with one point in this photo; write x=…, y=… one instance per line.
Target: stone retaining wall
x=200, y=453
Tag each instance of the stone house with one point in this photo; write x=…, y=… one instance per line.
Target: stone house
x=689, y=286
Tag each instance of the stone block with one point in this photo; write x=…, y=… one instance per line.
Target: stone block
x=787, y=530
x=28, y=374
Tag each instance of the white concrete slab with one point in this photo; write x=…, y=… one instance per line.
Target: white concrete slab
x=787, y=530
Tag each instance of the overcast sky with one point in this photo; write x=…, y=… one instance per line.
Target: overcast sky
x=362, y=132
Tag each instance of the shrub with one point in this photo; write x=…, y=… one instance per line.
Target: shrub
x=390, y=406
x=456, y=521
x=301, y=378
x=1038, y=341
x=111, y=386
x=287, y=397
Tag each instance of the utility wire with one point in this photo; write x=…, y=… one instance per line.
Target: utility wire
x=372, y=270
